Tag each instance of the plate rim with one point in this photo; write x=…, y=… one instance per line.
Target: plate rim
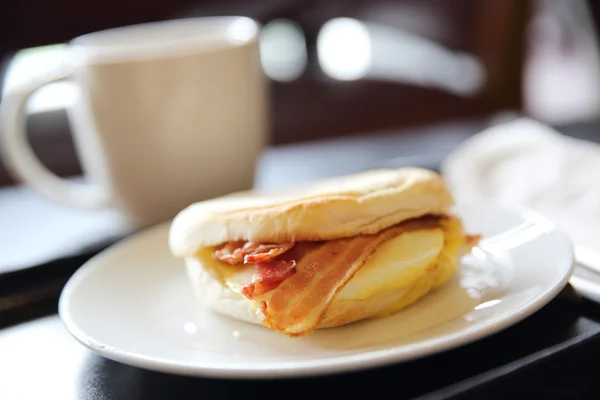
x=308, y=367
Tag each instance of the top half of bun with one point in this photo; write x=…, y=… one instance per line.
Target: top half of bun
x=333, y=208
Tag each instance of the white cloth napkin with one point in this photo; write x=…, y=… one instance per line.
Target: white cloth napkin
x=528, y=164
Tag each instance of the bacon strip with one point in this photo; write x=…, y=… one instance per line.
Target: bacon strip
x=268, y=276
x=250, y=252
x=300, y=301
x=269, y=271
x=265, y=252
x=231, y=252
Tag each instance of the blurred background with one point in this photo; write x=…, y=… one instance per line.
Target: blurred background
x=344, y=68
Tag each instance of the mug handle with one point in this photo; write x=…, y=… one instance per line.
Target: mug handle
x=21, y=161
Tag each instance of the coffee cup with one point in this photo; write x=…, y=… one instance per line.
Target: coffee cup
x=168, y=113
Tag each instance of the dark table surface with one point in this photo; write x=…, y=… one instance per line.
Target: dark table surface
x=549, y=355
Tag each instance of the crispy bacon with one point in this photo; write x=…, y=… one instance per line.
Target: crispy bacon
x=299, y=302
x=266, y=252
x=231, y=252
x=250, y=252
x=270, y=272
x=268, y=276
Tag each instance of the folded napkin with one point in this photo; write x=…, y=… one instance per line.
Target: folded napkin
x=526, y=163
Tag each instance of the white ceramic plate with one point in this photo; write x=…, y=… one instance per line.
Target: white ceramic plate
x=134, y=304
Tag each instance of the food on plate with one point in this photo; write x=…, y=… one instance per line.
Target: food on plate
x=322, y=254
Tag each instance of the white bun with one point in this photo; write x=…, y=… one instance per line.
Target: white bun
x=339, y=207
x=213, y=294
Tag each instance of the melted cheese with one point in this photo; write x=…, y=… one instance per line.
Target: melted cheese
x=396, y=263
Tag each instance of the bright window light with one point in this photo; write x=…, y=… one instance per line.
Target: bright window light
x=283, y=50
x=344, y=49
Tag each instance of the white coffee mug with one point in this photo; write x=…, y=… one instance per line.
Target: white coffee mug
x=169, y=113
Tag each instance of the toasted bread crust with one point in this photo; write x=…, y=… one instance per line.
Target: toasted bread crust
x=334, y=208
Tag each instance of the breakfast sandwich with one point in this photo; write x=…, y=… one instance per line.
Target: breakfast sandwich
x=322, y=254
